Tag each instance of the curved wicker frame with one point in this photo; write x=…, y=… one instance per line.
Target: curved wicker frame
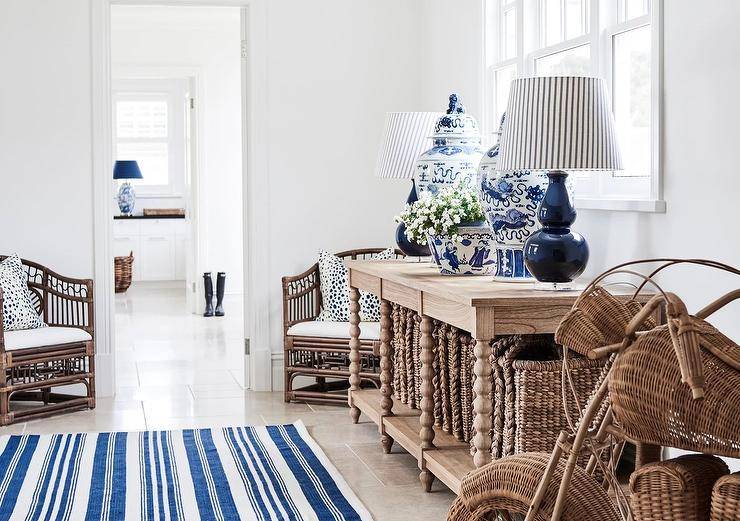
x=30, y=374
x=317, y=357
x=611, y=337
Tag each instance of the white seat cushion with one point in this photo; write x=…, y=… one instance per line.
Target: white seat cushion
x=44, y=336
x=327, y=329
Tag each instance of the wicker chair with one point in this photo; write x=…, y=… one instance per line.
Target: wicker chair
x=320, y=350
x=36, y=360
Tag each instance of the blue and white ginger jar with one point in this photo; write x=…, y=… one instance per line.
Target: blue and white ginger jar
x=455, y=154
x=510, y=201
x=473, y=252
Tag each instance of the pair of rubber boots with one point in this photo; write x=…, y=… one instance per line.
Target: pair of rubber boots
x=220, y=287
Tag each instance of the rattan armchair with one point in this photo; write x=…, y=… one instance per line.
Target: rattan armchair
x=36, y=361
x=322, y=357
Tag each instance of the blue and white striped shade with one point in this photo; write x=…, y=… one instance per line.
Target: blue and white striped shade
x=405, y=137
x=559, y=123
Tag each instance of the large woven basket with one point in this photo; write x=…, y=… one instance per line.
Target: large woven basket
x=726, y=499
x=527, y=412
x=675, y=490
x=123, y=269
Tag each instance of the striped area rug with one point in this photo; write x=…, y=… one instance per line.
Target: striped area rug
x=249, y=473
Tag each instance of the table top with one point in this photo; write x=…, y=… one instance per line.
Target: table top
x=473, y=291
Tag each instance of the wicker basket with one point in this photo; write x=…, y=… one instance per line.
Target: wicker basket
x=675, y=490
x=726, y=499
x=527, y=398
x=123, y=268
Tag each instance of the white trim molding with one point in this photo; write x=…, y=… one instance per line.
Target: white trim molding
x=257, y=294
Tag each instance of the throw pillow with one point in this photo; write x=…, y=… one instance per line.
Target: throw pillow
x=334, y=277
x=18, y=310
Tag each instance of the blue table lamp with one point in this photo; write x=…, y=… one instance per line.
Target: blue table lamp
x=558, y=125
x=126, y=194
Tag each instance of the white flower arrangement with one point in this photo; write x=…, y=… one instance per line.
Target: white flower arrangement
x=441, y=214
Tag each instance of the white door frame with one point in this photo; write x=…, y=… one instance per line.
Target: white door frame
x=255, y=184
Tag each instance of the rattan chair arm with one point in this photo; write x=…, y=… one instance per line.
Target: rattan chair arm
x=718, y=304
x=295, y=278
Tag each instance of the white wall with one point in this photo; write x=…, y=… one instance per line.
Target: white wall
x=206, y=39
x=45, y=134
x=335, y=68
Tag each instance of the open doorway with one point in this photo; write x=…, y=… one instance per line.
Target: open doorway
x=176, y=96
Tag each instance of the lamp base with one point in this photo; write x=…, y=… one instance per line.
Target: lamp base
x=126, y=199
x=554, y=254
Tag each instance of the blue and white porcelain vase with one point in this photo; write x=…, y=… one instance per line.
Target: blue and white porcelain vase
x=455, y=154
x=472, y=252
x=126, y=199
x=510, y=201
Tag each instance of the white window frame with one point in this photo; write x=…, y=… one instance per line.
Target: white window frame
x=594, y=189
x=173, y=91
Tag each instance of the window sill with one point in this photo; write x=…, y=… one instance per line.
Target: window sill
x=621, y=205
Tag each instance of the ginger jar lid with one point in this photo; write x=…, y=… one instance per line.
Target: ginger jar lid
x=456, y=123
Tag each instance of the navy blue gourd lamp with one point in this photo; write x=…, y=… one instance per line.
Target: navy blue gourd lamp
x=405, y=136
x=558, y=124
x=126, y=196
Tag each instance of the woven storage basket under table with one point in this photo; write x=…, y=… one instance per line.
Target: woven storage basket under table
x=726, y=499
x=123, y=269
x=675, y=490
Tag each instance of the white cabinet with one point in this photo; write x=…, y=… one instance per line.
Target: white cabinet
x=158, y=246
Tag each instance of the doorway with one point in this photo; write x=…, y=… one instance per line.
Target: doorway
x=176, y=98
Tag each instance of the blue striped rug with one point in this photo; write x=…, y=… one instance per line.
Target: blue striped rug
x=261, y=473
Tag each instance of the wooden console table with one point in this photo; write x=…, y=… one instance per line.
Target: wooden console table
x=478, y=305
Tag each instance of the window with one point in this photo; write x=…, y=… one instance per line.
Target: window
x=618, y=40
x=148, y=119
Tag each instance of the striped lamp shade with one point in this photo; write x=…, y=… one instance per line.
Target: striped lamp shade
x=559, y=123
x=405, y=137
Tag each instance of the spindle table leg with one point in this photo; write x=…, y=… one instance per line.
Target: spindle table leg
x=386, y=375
x=427, y=395
x=482, y=403
x=354, y=350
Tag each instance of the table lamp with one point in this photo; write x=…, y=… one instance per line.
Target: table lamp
x=558, y=124
x=404, y=139
x=126, y=195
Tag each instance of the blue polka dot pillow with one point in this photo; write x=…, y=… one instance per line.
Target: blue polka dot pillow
x=18, y=310
x=334, y=277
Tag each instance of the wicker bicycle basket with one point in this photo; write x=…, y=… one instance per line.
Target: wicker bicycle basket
x=726, y=499
x=123, y=269
x=675, y=490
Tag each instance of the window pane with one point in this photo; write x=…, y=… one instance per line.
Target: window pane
x=153, y=159
x=503, y=79
x=570, y=62
x=552, y=22
x=575, y=18
x=141, y=119
x=631, y=93
x=509, y=34
x=636, y=8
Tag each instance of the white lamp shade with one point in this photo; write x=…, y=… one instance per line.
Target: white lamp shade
x=559, y=123
x=405, y=136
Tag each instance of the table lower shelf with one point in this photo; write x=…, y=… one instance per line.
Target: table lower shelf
x=449, y=460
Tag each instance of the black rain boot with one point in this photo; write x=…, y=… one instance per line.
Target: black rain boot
x=220, y=287
x=208, y=286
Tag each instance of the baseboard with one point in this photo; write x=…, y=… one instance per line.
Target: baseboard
x=278, y=375
x=105, y=382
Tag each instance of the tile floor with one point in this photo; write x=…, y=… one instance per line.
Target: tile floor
x=178, y=370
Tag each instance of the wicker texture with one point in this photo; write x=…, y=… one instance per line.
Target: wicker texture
x=509, y=484
x=653, y=405
x=675, y=490
x=726, y=499
x=123, y=268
